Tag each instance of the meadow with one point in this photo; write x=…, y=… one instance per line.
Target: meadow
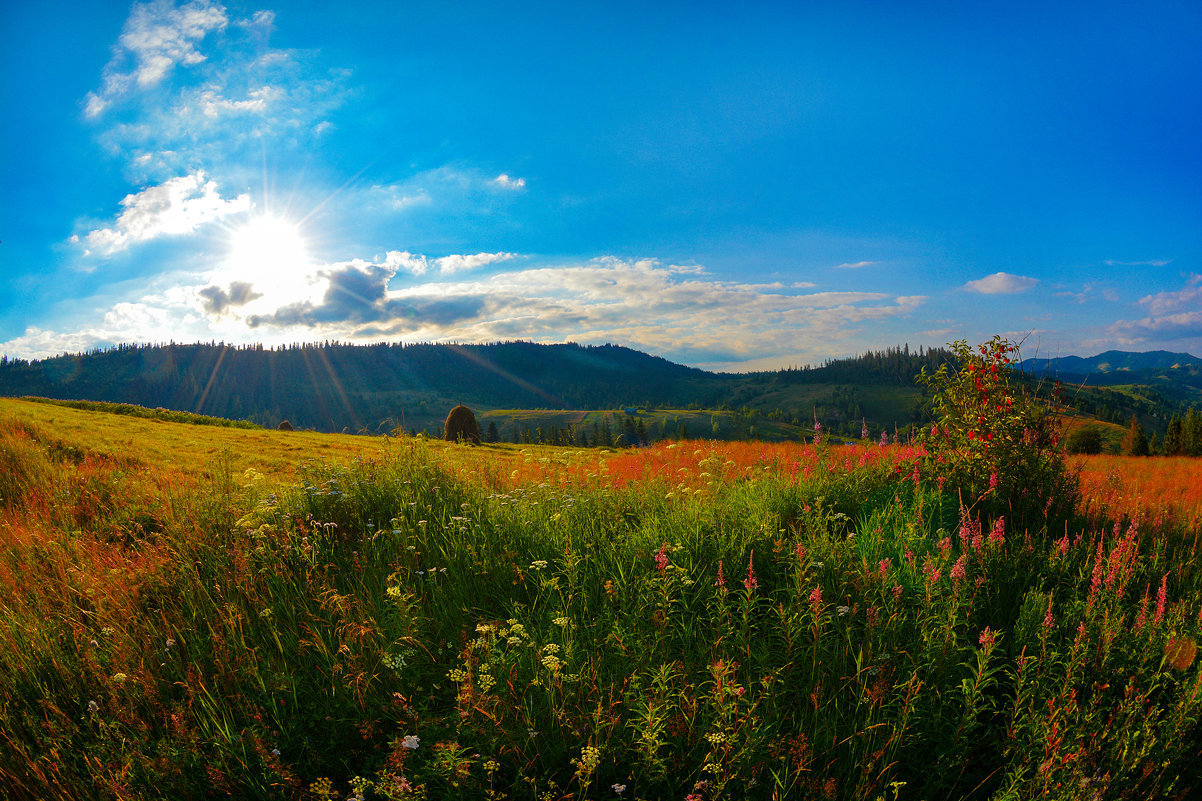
x=192, y=611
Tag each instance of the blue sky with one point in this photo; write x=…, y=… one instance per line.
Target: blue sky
x=732, y=188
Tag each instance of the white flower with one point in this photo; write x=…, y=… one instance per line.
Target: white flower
x=411, y=741
x=93, y=706
x=842, y=610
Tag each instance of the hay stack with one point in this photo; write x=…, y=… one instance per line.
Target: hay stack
x=461, y=424
x=285, y=426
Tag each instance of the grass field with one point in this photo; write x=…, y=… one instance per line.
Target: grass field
x=191, y=611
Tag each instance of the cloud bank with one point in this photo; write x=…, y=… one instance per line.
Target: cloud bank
x=673, y=310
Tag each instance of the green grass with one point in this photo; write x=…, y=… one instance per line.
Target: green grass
x=288, y=624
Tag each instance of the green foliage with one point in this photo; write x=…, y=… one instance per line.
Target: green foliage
x=1087, y=439
x=992, y=443
x=396, y=628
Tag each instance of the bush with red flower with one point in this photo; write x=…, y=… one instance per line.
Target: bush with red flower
x=993, y=443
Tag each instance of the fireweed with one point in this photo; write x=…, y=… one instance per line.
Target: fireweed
x=397, y=628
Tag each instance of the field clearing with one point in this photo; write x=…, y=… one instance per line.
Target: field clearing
x=189, y=611
x=1159, y=490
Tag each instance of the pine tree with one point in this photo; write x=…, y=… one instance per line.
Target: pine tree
x=1135, y=442
x=492, y=435
x=1192, y=433
x=1174, y=438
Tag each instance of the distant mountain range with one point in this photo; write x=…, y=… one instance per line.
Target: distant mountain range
x=1113, y=361
x=370, y=388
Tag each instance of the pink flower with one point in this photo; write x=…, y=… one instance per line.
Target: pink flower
x=800, y=551
x=993, y=481
x=1049, y=622
x=1161, y=599
x=988, y=637
x=661, y=558
x=884, y=567
x=750, y=583
x=721, y=582
x=997, y=534
x=816, y=599
x=958, y=572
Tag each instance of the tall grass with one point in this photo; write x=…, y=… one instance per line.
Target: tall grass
x=692, y=622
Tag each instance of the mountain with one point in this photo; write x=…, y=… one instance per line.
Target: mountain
x=1112, y=361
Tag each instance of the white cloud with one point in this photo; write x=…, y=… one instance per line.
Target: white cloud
x=448, y=265
x=505, y=182
x=1001, y=284
x=177, y=206
x=157, y=36
x=854, y=265
x=1148, y=263
x=1165, y=302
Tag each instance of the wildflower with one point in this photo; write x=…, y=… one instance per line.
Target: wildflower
x=1161, y=599
x=120, y=678
x=1049, y=622
x=997, y=534
x=561, y=621
x=721, y=580
x=93, y=706
x=816, y=599
x=410, y=741
x=590, y=759
x=661, y=558
x=618, y=788
x=842, y=610
x=170, y=643
x=987, y=638
x=93, y=643
x=750, y=583
x=275, y=752
x=958, y=572
x=538, y=564
x=993, y=480
x=884, y=567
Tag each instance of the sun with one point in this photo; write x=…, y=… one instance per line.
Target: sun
x=268, y=252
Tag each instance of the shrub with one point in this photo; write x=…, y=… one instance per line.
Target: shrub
x=286, y=426
x=461, y=425
x=992, y=443
x=1086, y=439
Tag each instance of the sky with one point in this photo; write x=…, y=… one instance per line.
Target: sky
x=731, y=186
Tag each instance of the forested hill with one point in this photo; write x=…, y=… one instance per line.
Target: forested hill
x=335, y=387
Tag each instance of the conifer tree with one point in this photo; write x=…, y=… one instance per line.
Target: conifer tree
x=1174, y=439
x=1135, y=442
x=1192, y=433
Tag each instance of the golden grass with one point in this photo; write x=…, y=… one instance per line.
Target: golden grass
x=1153, y=489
